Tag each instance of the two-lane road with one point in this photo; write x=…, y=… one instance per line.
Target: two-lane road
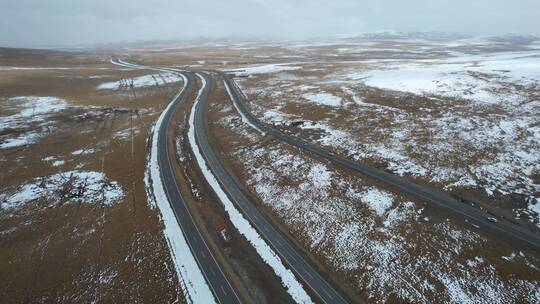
x=216, y=280
x=277, y=241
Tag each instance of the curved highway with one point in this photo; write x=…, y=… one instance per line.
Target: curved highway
x=220, y=286
x=218, y=283
x=279, y=243
x=434, y=196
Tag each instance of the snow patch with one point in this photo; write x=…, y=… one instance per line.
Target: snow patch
x=264, y=69
x=30, y=108
x=70, y=186
x=58, y=163
x=378, y=200
x=21, y=140
x=141, y=81
x=83, y=152
x=27, y=110
x=323, y=98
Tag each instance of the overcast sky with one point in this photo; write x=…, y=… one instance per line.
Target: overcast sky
x=49, y=23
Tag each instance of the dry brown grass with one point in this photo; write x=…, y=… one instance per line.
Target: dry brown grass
x=77, y=252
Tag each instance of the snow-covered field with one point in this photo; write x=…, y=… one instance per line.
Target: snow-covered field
x=377, y=239
x=462, y=121
x=481, y=78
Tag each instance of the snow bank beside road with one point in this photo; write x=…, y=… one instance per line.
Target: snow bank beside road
x=189, y=274
x=244, y=118
x=294, y=287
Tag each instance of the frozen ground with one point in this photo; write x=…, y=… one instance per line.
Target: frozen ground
x=461, y=121
x=377, y=239
x=264, y=69
x=141, y=81
x=323, y=98
x=481, y=78
x=25, y=119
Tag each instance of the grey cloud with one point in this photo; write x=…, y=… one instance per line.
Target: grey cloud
x=34, y=23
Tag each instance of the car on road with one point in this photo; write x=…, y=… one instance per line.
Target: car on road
x=492, y=219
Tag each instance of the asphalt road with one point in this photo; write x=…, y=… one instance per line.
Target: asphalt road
x=432, y=195
x=220, y=286
x=279, y=243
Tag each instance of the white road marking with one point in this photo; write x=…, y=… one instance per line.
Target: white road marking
x=326, y=292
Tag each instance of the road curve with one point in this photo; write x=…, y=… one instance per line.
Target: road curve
x=218, y=283
x=279, y=243
x=220, y=286
x=434, y=196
